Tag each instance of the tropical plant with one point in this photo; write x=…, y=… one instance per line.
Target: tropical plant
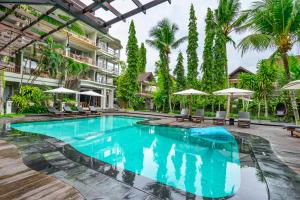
x=122, y=86
x=142, y=59
x=266, y=76
x=132, y=65
x=192, y=57
x=163, y=39
x=30, y=98
x=2, y=86
x=275, y=25
x=207, y=66
x=179, y=73
x=228, y=20
x=180, y=78
x=219, y=77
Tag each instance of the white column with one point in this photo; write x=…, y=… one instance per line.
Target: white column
x=103, y=99
x=112, y=99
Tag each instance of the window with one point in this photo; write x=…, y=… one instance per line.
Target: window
x=100, y=78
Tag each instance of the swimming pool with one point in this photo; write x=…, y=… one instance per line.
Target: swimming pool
x=172, y=156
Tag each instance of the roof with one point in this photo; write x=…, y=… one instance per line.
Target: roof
x=144, y=77
x=240, y=69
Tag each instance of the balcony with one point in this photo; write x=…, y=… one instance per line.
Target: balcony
x=83, y=59
x=108, y=51
x=82, y=38
x=103, y=67
x=9, y=67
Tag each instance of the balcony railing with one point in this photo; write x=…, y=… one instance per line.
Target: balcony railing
x=85, y=39
x=108, y=50
x=81, y=58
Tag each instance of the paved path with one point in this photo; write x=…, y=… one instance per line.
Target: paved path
x=17, y=181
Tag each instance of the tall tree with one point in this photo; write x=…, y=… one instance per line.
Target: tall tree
x=132, y=67
x=142, y=59
x=275, y=24
x=228, y=19
x=179, y=73
x=122, y=86
x=191, y=51
x=2, y=86
x=208, y=56
x=163, y=39
x=220, y=60
x=266, y=76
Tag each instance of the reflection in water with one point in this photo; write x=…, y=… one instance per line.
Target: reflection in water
x=171, y=156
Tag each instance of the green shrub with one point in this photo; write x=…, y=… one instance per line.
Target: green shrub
x=36, y=109
x=30, y=100
x=209, y=114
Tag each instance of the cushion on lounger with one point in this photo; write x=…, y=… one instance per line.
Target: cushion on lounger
x=214, y=134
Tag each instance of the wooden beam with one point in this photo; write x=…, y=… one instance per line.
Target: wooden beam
x=113, y=10
x=28, y=26
x=135, y=11
x=139, y=4
x=26, y=1
x=8, y=12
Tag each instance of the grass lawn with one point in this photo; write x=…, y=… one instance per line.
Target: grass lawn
x=11, y=115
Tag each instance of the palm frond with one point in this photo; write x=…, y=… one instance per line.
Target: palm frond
x=178, y=42
x=257, y=41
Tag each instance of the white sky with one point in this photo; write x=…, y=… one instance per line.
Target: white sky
x=177, y=12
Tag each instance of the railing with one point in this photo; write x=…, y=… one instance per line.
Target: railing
x=83, y=38
x=83, y=59
x=108, y=50
x=30, y=71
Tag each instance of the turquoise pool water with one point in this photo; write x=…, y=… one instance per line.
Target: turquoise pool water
x=177, y=157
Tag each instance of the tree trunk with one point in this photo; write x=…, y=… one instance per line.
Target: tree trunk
x=1, y=93
x=258, y=110
x=284, y=57
x=266, y=106
x=170, y=83
x=226, y=67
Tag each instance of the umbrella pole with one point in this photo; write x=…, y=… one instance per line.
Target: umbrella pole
x=228, y=106
x=190, y=108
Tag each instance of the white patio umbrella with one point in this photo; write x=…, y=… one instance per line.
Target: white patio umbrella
x=190, y=92
x=230, y=92
x=91, y=94
x=61, y=90
x=292, y=86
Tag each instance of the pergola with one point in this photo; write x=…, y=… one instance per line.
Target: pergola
x=17, y=36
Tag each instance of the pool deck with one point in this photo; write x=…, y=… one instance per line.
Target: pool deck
x=17, y=181
x=286, y=149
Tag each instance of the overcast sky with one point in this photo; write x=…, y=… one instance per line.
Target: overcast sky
x=177, y=12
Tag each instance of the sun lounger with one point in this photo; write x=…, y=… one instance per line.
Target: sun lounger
x=67, y=109
x=293, y=129
x=220, y=118
x=93, y=110
x=199, y=116
x=55, y=112
x=82, y=111
x=244, y=119
x=297, y=132
x=184, y=114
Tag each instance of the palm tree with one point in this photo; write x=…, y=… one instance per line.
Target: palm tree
x=228, y=19
x=163, y=39
x=275, y=24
